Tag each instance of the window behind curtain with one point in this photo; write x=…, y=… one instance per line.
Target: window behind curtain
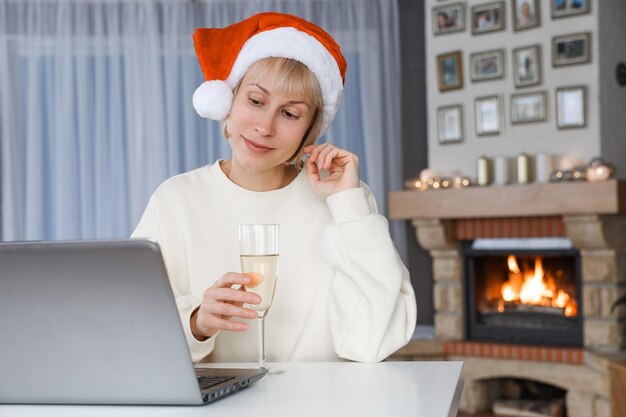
x=96, y=111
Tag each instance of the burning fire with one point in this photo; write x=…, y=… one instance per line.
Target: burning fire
x=533, y=287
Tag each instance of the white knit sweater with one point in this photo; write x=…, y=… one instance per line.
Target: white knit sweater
x=342, y=290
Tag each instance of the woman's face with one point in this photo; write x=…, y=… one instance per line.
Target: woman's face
x=265, y=127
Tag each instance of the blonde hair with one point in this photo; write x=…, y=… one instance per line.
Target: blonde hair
x=295, y=79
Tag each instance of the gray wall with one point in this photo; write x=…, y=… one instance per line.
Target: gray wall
x=604, y=135
x=612, y=15
x=414, y=140
x=530, y=138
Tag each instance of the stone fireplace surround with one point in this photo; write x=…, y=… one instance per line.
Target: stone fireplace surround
x=592, y=216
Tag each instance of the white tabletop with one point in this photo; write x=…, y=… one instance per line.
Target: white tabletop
x=424, y=389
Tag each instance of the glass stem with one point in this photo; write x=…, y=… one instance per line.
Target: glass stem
x=261, y=321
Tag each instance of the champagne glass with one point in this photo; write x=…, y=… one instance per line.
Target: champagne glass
x=259, y=256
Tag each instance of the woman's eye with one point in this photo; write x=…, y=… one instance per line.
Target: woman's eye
x=254, y=101
x=290, y=115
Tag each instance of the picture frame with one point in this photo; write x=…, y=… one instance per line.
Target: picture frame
x=487, y=65
x=450, y=71
x=488, y=117
x=529, y=107
x=571, y=107
x=568, y=8
x=449, y=18
x=450, y=124
x=487, y=18
x=527, y=66
x=571, y=49
x=526, y=14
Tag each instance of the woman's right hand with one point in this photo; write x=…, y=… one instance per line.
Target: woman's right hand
x=220, y=303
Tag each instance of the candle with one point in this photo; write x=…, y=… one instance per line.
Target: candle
x=413, y=184
x=460, y=182
x=523, y=169
x=543, y=167
x=579, y=173
x=598, y=170
x=598, y=173
x=482, y=171
x=501, y=170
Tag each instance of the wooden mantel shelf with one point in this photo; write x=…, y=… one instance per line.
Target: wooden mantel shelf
x=607, y=197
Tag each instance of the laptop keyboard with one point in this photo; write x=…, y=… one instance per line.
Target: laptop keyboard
x=211, y=381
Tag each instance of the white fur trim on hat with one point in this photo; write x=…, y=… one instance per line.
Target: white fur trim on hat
x=213, y=99
x=288, y=42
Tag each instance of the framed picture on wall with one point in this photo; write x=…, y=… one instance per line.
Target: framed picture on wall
x=571, y=49
x=450, y=124
x=526, y=14
x=527, y=66
x=566, y=8
x=488, y=117
x=450, y=71
x=528, y=108
x=488, y=65
x=488, y=17
x=449, y=18
x=571, y=106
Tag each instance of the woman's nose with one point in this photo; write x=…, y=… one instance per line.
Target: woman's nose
x=265, y=124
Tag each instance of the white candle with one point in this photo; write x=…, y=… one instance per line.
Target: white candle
x=501, y=170
x=543, y=167
x=523, y=169
x=482, y=171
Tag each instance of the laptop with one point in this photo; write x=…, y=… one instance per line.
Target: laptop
x=95, y=322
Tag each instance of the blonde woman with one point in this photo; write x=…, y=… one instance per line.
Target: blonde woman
x=275, y=83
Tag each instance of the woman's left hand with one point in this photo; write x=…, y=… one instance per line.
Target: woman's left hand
x=342, y=166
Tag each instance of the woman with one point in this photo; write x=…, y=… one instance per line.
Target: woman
x=275, y=82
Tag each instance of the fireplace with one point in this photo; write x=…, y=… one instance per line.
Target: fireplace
x=522, y=296
x=514, y=343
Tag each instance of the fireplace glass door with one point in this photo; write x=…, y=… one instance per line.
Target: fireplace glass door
x=523, y=296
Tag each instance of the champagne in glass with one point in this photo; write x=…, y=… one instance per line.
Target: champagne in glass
x=265, y=272
x=259, y=257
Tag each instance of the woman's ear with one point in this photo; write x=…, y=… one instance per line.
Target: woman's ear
x=225, y=129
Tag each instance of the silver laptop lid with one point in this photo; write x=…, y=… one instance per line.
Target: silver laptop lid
x=91, y=322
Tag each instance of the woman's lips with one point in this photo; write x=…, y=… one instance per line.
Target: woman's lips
x=255, y=147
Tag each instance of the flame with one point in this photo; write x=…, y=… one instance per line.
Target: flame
x=508, y=294
x=512, y=262
x=534, y=288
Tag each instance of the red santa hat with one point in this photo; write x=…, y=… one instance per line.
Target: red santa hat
x=226, y=54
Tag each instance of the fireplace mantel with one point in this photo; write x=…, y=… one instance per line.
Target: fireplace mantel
x=567, y=198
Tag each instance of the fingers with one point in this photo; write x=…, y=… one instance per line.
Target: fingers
x=312, y=171
x=231, y=310
x=210, y=324
x=217, y=315
x=221, y=302
x=231, y=295
x=315, y=152
x=327, y=155
x=231, y=278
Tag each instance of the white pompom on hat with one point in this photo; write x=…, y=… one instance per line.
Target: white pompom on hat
x=226, y=54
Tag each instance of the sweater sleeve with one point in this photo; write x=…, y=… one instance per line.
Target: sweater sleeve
x=150, y=227
x=372, y=309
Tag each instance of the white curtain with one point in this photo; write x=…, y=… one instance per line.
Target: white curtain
x=95, y=104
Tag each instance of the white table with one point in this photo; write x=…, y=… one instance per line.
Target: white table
x=417, y=389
